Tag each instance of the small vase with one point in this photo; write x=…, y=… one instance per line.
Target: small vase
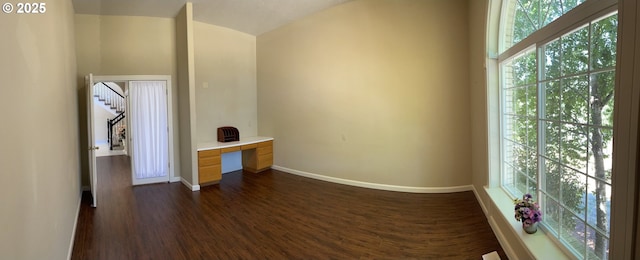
x=533, y=228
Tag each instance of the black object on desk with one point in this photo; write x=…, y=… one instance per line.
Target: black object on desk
x=228, y=134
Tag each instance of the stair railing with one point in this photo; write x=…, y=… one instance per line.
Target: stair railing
x=116, y=130
x=116, y=126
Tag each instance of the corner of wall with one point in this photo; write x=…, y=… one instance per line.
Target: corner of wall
x=186, y=94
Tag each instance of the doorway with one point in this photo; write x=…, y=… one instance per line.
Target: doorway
x=110, y=115
x=118, y=139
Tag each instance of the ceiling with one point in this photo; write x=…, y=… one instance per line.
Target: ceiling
x=249, y=16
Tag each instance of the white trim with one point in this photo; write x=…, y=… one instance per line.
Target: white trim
x=497, y=212
x=86, y=188
x=167, y=78
x=376, y=186
x=175, y=179
x=566, y=23
x=482, y=205
x=493, y=43
x=122, y=78
x=75, y=224
x=189, y=185
x=502, y=207
x=151, y=181
x=504, y=242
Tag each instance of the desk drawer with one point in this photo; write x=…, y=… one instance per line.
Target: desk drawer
x=207, y=153
x=266, y=144
x=208, y=157
x=206, y=161
x=265, y=161
x=249, y=146
x=209, y=173
x=264, y=150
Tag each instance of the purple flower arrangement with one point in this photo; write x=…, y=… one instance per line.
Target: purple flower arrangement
x=527, y=210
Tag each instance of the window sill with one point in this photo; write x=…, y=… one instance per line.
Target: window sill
x=539, y=245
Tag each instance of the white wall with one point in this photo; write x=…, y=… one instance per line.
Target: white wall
x=39, y=149
x=100, y=116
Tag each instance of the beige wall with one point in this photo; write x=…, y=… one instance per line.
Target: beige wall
x=40, y=187
x=374, y=91
x=186, y=89
x=125, y=45
x=478, y=89
x=225, y=60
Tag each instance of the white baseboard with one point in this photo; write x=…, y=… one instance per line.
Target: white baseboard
x=189, y=185
x=85, y=188
x=480, y=201
x=376, y=186
x=504, y=243
x=75, y=225
x=175, y=179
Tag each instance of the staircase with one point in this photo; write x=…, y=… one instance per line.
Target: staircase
x=116, y=126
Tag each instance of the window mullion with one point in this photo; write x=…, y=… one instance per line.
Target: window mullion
x=589, y=144
x=541, y=141
x=539, y=109
x=501, y=102
x=573, y=19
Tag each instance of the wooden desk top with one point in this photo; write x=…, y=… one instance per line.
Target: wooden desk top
x=243, y=141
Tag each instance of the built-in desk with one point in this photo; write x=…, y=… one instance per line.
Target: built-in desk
x=257, y=156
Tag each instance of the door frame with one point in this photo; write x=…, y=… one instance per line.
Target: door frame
x=132, y=129
x=167, y=78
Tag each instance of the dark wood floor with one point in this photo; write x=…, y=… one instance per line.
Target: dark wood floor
x=274, y=215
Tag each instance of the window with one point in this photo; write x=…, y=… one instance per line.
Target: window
x=527, y=16
x=557, y=95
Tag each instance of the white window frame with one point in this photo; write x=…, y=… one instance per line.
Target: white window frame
x=625, y=226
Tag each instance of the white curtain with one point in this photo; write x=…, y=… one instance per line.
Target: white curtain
x=149, y=128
